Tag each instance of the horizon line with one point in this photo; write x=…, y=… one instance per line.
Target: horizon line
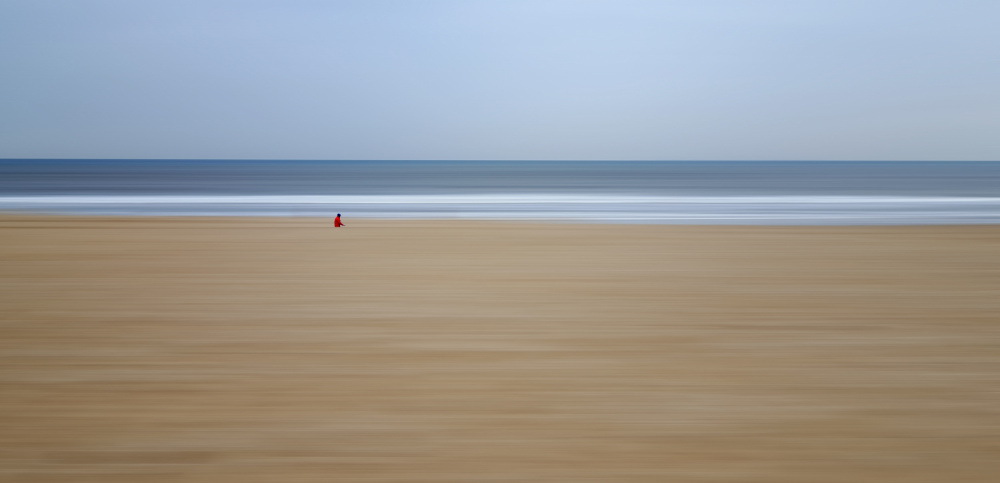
x=520, y=160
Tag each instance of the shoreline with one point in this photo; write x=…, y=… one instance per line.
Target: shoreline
x=380, y=221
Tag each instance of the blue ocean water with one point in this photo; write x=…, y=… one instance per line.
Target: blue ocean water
x=759, y=192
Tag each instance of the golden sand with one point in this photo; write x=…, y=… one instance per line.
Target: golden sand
x=244, y=350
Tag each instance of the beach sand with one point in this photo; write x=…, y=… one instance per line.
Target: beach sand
x=253, y=350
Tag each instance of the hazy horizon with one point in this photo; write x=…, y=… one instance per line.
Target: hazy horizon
x=401, y=160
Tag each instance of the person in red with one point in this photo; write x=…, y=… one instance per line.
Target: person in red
x=337, y=223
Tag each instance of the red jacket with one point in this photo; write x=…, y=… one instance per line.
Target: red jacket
x=336, y=222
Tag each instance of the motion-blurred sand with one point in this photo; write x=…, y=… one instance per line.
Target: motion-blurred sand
x=242, y=350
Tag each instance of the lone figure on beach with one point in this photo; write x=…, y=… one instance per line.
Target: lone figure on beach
x=337, y=223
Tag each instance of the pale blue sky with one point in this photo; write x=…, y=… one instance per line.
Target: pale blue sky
x=533, y=79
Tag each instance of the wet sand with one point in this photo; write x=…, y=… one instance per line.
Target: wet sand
x=245, y=350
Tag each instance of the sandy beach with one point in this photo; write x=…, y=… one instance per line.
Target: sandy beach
x=250, y=349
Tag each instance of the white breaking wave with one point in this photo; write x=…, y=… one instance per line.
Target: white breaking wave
x=568, y=207
x=477, y=199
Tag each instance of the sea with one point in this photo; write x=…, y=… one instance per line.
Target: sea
x=648, y=192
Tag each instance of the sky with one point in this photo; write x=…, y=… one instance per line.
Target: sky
x=503, y=79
